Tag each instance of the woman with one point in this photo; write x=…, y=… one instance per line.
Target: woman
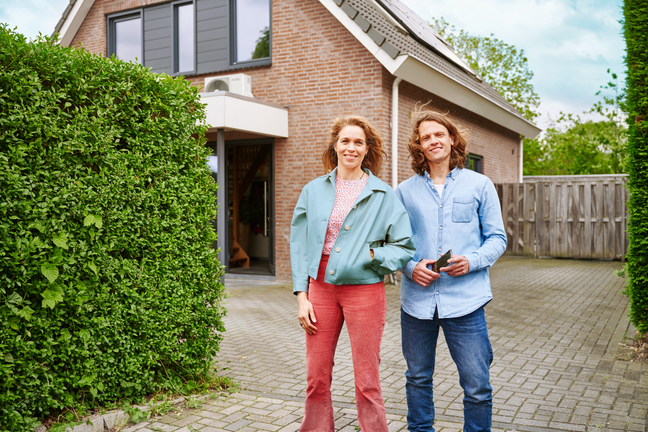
x=348, y=230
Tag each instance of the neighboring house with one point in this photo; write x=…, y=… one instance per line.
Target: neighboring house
x=286, y=68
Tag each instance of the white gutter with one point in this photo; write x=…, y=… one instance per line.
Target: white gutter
x=394, y=123
x=521, y=158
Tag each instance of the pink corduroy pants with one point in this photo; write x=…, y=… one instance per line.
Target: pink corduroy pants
x=364, y=309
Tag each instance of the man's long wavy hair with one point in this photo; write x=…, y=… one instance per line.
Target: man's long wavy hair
x=458, y=153
x=375, y=153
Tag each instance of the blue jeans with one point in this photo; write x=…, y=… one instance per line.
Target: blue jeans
x=470, y=348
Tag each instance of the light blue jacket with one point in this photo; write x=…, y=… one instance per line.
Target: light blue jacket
x=377, y=221
x=467, y=218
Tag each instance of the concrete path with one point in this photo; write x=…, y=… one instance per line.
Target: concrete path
x=555, y=326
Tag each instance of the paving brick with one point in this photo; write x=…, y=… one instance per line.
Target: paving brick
x=546, y=321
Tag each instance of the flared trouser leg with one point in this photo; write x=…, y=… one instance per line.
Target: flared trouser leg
x=364, y=309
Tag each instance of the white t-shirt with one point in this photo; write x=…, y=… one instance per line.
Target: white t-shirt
x=439, y=189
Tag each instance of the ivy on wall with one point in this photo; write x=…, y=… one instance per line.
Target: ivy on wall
x=109, y=288
x=635, y=29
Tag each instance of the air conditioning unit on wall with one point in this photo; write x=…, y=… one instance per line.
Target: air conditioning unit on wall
x=237, y=83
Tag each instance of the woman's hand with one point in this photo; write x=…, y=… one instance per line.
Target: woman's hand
x=423, y=275
x=305, y=313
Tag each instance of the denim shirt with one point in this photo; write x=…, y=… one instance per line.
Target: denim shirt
x=467, y=218
x=377, y=221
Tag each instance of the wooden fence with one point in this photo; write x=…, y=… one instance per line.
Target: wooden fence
x=566, y=216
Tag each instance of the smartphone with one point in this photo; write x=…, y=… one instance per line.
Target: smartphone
x=441, y=262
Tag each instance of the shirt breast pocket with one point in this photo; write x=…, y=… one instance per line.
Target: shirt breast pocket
x=463, y=210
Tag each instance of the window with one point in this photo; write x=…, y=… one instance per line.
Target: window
x=251, y=30
x=475, y=163
x=184, y=37
x=125, y=37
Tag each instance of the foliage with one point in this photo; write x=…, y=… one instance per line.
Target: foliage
x=262, y=47
x=501, y=65
x=109, y=289
x=573, y=146
x=635, y=29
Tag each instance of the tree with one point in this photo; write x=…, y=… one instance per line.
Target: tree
x=635, y=29
x=501, y=65
x=572, y=146
x=262, y=47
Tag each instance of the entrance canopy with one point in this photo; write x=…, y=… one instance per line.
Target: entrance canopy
x=231, y=111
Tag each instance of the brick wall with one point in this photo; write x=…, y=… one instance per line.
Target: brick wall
x=319, y=70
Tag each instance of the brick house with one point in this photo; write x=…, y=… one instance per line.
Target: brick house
x=274, y=73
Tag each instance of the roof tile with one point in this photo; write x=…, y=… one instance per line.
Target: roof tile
x=385, y=34
x=350, y=10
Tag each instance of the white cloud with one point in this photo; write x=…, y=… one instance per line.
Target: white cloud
x=32, y=16
x=569, y=43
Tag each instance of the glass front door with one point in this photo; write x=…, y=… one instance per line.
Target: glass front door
x=250, y=209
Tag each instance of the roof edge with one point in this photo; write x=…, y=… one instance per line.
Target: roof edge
x=424, y=76
x=73, y=16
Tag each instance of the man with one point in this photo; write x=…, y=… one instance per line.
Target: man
x=450, y=208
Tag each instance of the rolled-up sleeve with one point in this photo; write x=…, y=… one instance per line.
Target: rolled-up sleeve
x=299, y=246
x=492, y=225
x=398, y=248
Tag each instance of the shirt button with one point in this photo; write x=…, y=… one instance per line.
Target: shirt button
x=439, y=249
x=337, y=249
x=331, y=271
x=440, y=227
x=441, y=205
x=347, y=227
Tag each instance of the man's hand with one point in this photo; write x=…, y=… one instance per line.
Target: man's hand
x=423, y=275
x=460, y=266
x=305, y=313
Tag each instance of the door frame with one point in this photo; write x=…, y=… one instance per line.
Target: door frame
x=223, y=218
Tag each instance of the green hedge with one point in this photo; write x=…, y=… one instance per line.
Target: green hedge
x=109, y=288
x=636, y=36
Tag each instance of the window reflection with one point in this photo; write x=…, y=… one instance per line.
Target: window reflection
x=185, y=37
x=252, y=29
x=212, y=163
x=128, y=40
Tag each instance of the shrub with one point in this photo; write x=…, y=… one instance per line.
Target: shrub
x=635, y=28
x=109, y=288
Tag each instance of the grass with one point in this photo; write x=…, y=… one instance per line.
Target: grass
x=158, y=404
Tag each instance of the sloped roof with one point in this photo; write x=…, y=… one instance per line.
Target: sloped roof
x=402, y=34
x=405, y=45
x=71, y=20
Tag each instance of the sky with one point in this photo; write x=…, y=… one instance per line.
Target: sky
x=570, y=44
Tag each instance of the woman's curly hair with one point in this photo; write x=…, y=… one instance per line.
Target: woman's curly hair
x=458, y=153
x=375, y=152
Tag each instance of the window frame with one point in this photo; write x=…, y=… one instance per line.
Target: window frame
x=475, y=159
x=233, y=40
x=175, y=58
x=112, y=19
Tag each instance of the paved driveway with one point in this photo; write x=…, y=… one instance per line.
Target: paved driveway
x=555, y=327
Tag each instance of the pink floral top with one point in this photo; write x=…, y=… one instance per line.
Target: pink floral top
x=346, y=193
